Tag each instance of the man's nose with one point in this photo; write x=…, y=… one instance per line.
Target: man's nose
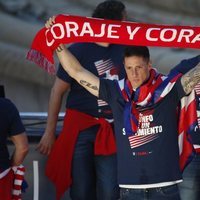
x=134, y=72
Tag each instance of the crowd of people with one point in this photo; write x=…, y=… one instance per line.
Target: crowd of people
x=121, y=130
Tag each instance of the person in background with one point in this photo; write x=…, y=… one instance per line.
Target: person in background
x=189, y=188
x=11, y=127
x=94, y=173
x=141, y=103
x=2, y=91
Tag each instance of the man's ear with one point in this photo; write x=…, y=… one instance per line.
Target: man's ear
x=150, y=64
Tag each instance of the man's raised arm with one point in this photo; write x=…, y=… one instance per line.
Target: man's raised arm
x=185, y=65
x=191, y=79
x=72, y=66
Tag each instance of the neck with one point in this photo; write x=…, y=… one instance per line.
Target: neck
x=103, y=44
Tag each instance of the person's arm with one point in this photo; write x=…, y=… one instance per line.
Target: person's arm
x=191, y=79
x=21, y=149
x=72, y=66
x=55, y=101
x=185, y=65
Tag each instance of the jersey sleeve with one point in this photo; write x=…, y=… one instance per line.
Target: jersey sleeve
x=177, y=92
x=185, y=65
x=107, y=90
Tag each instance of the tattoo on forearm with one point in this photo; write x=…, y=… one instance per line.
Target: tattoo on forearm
x=87, y=84
x=190, y=79
x=59, y=49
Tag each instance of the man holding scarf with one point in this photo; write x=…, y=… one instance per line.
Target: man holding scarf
x=140, y=128
x=148, y=121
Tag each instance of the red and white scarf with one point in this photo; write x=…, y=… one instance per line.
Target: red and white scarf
x=149, y=94
x=68, y=29
x=19, y=172
x=18, y=178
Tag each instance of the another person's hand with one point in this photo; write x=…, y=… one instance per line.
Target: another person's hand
x=46, y=143
x=50, y=22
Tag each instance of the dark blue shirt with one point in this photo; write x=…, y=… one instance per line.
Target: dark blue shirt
x=104, y=62
x=152, y=160
x=10, y=125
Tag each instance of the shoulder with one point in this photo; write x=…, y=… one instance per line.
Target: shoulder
x=81, y=45
x=107, y=84
x=79, y=50
x=6, y=103
x=109, y=91
x=8, y=108
x=117, y=47
x=177, y=91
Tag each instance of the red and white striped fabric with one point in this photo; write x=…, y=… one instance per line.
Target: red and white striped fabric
x=103, y=65
x=136, y=141
x=197, y=91
x=186, y=125
x=19, y=172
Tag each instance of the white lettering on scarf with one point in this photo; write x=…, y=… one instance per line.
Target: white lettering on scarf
x=153, y=34
x=170, y=34
x=72, y=29
x=132, y=32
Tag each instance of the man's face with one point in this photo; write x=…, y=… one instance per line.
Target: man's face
x=137, y=70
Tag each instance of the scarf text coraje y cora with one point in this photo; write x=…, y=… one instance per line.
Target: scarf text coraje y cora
x=68, y=29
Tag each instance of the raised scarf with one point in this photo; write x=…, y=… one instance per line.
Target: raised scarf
x=150, y=93
x=68, y=29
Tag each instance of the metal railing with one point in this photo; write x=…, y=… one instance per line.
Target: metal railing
x=35, y=122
